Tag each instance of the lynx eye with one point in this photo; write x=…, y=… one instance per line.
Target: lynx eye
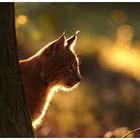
x=70, y=68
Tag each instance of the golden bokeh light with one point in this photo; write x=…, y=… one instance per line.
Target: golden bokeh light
x=124, y=36
x=121, y=56
x=22, y=19
x=118, y=16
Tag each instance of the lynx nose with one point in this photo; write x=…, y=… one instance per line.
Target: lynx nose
x=78, y=77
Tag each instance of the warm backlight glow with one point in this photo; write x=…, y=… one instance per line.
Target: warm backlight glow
x=48, y=99
x=50, y=95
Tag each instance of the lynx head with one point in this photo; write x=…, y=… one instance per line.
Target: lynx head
x=60, y=63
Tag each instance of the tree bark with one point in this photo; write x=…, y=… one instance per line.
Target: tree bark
x=14, y=117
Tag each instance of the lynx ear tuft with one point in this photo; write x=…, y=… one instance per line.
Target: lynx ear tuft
x=63, y=34
x=59, y=43
x=77, y=32
x=72, y=40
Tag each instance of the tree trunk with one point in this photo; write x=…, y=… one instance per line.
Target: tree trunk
x=14, y=117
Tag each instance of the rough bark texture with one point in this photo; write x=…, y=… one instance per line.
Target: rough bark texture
x=14, y=117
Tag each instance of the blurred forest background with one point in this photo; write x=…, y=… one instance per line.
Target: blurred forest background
x=107, y=101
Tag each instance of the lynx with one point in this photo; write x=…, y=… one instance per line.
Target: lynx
x=53, y=67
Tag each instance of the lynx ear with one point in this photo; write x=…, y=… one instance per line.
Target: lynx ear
x=72, y=40
x=58, y=44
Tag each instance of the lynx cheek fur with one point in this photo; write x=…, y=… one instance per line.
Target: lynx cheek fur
x=54, y=66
